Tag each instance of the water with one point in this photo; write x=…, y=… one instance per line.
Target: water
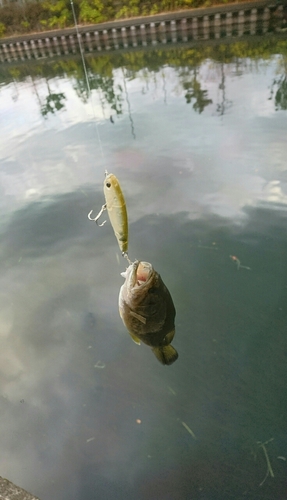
x=197, y=137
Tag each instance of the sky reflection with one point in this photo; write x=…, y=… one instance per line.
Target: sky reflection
x=84, y=409
x=41, y=157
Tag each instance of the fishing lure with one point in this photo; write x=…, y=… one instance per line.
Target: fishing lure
x=117, y=211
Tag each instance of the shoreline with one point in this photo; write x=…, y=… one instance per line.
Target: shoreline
x=155, y=18
x=191, y=25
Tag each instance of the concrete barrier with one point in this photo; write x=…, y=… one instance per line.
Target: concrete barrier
x=10, y=491
x=217, y=22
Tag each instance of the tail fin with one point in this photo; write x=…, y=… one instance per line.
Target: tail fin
x=165, y=354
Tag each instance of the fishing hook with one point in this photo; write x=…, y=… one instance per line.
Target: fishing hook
x=104, y=207
x=125, y=255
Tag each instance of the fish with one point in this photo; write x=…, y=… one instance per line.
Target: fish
x=147, y=310
x=117, y=211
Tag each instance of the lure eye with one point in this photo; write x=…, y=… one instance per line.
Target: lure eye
x=108, y=184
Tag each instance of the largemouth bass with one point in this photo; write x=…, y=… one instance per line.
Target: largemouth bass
x=147, y=310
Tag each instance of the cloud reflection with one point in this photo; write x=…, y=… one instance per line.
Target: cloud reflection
x=199, y=188
x=74, y=426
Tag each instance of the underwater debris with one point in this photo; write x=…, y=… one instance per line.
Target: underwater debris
x=189, y=430
x=238, y=263
x=100, y=365
x=171, y=390
x=269, y=471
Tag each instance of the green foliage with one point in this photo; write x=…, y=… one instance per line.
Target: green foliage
x=25, y=24
x=188, y=3
x=59, y=13
x=36, y=15
x=2, y=29
x=92, y=11
x=129, y=9
x=166, y=5
x=15, y=73
x=60, y=21
x=122, y=13
x=154, y=9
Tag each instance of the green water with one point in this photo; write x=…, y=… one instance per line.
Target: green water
x=197, y=137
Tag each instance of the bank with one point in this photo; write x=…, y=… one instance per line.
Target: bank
x=220, y=21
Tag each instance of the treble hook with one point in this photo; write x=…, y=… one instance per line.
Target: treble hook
x=104, y=207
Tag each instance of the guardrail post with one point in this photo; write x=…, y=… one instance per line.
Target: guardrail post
x=143, y=34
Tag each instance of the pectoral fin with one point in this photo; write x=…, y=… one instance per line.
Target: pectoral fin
x=165, y=354
x=135, y=339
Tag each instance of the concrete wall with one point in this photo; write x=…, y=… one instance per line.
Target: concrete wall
x=197, y=24
x=9, y=491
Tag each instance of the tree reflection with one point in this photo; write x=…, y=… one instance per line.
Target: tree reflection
x=196, y=93
x=225, y=103
x=280, y=98
x=108, y=74
x=129, y=106
x=35, y=89
x=54, y=102
x=110, y=93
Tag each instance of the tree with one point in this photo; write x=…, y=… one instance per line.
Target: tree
x=92, y=11
x=60, y=13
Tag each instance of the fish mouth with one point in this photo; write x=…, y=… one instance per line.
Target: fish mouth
x=143, y=273
x=138, y=274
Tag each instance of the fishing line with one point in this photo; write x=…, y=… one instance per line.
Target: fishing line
x=86, y=73
x=129, y=106
x=104, y=207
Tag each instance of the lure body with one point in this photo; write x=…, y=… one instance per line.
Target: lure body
x=117, y=210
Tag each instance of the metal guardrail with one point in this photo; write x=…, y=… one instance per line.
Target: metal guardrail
x=197, y=24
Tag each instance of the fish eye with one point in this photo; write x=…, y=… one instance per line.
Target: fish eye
x=108, y=184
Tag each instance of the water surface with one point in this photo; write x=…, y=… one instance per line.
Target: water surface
x=197, y=137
